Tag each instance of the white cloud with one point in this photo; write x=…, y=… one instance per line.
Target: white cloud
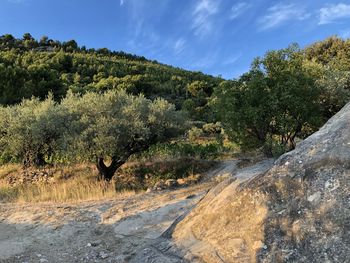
x=238, y=9
x=122, y=2
x=333, y=12
x=202, y=23
x=281, y=13
x=179, y=45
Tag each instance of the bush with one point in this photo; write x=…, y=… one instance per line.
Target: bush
x=167, y=151
x=145, y=174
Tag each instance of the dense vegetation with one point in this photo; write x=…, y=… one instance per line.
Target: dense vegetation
x=287, y=94
x=98, y=105
x=112, y=125
x=34, y=68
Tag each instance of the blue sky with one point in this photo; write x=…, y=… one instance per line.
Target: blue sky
x=219, y=37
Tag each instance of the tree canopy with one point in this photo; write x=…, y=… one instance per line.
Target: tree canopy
x=278, y=100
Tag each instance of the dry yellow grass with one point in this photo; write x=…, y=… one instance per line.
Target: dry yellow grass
x=8, y=169
x=72, y=184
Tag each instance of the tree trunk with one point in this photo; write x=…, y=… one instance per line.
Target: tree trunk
x=107, y=172
x=40, y=160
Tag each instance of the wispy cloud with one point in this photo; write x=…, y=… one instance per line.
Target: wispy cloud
x=202, y=14
x=231, y=60
x=206, y=61
x=281, y=13
x=345, y=33
x=330, y=13
x=122, y=2
x=17, y=1
x=238, y=9
x=179, y=45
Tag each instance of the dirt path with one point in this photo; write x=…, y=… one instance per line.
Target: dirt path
x=118, y=230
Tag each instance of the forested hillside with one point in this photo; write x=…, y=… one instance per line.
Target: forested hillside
x=34, y=68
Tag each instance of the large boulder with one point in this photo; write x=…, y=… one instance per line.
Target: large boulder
x=298, y=211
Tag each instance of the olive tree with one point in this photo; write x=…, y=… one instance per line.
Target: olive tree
x=32, y=130
x=114, y=125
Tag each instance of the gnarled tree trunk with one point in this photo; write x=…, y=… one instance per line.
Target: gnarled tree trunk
x=107, y=172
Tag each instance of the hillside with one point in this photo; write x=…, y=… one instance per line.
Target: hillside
x=34, y=68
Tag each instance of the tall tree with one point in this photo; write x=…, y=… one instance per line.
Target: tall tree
x=274, y=103
x=114, y=125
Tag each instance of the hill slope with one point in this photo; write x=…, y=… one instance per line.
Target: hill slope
x=34, y=68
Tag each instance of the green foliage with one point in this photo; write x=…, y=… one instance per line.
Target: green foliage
x=277, y=99
x=330, y=58
x=182, y=149
x=117, y=124
x=108, y=125
x=35, y=68
x=31, y=130
x=145, y=174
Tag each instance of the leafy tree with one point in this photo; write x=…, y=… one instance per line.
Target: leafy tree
x=31, y=131
x=93, y=127
x=276, y=101
x=114, y=125
x=330, y=59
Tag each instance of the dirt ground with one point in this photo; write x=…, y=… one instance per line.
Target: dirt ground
x=118, y=230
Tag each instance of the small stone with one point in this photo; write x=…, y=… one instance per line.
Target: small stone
x=332, y=184
x=96, y=243
x=181, y=182
x=43, y=260
x=159, y=185
x=88, y=245
x=314, y=197
x=103, y=255
x=171, y=183
x=281, y=212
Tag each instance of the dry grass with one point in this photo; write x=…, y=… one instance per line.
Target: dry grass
x=69, y=191
x=7, y=169
x=71, y=184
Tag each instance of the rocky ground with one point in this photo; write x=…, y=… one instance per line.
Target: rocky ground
x=119, y=230
x=298, y=211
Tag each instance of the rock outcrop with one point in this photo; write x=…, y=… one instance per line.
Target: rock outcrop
x=298, y=211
